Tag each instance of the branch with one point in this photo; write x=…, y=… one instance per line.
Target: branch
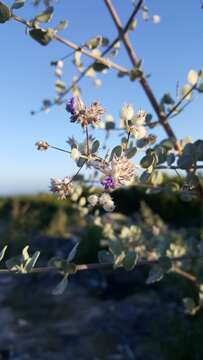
x=70, y=44
x=96, y=266
x=143, y=81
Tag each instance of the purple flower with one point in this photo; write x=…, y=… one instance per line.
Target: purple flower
x=70, y=106
x=109, y=183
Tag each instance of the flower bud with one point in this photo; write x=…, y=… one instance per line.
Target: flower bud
x=127, y=112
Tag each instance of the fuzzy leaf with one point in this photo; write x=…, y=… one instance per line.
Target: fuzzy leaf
x=62, y=25
x=43, y=37
x=95, y=146
x=46, y=16
x=98, y=66
x=32, y=261
x=73, y=252
x=130, y=260
x=5, y=13
x=2, y=253
x=18, y=4
x=155, y=275
x=117, y=150
x=131, y=152
x=61, y=287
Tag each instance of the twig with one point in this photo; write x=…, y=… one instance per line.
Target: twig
x=87, y=140
x=161, y=167
x=185, y=274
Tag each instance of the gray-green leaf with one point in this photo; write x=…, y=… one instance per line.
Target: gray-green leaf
x=5, y=13
x=61, y=287
x=46, y=16
x=2, y=253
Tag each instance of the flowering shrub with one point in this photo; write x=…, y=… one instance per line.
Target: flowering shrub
x=126, y=243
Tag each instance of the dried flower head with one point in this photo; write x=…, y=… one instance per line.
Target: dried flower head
x=94, y=113
x=62, y=187
x=119, y=171
x=84, y=115
x=42, y=145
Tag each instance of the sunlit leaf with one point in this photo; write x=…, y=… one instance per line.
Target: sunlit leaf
x=2, y=253
x=192, y=77
x=46, y=16
x=18, y=4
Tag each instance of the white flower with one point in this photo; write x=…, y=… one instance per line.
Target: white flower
x=62, y=187
x=139, y=132
x=156, y=19
x=104, y=198
x=42, y=145
x=126, y=112
x=109, y=206
x=139, y=118
x=93, y=200
x=60, y=64
x=75, y=154
x=106, y=201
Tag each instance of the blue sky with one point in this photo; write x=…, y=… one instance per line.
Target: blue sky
x=169, y=49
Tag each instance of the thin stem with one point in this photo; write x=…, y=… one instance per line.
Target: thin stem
x=162, y=167
x=59, y=149
x=87, y=140
x=77, y=173
x=184, y=274
x=181, y=100
x=128, y=138
x=101, y=60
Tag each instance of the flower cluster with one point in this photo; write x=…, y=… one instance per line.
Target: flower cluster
x=134, y=122
x=84, y=115
x=105, y=200
x=119, y=171
x=62, y=187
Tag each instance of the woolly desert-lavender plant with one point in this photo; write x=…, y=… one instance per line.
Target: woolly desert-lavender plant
x=138, y=159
